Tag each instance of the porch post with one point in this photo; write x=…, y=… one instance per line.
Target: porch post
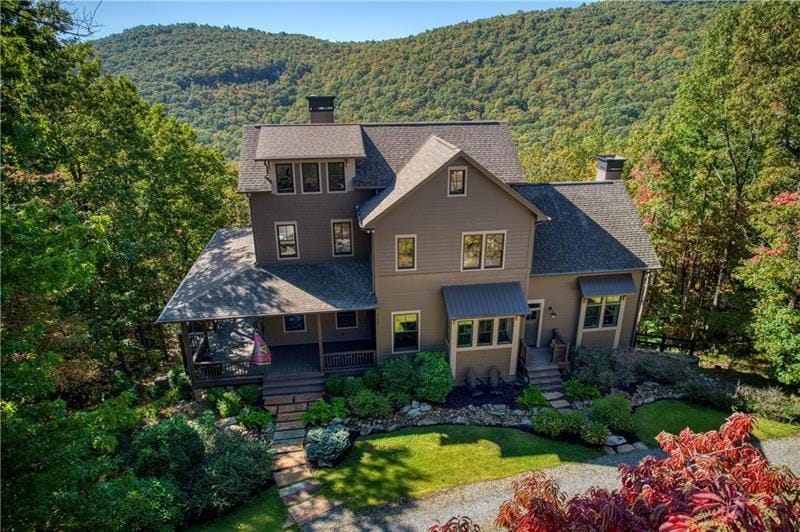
x=518, y=324
x=453, y=344
x=319, y=342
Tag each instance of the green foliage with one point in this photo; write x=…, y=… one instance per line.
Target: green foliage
x=353, y=385
x=613, y=411
x=169, y=448
x=581, y=391
x=180, y=381
x=573, y=421
x=532, y=396
x=334, y=384
x=707, y=392
x=398, y=374
x=214, y=395
x=367, y=403
x=593, y=432
x=601, y=367
x=249, y=393
x=229, y=404
x=661, y=368
x=548, y=421
x=398, y=399
x=130, y=503
x=434, y=379
x=325, y=445
x=321, y=412
x=255, y=418
x=372, y=379
x=771, y=403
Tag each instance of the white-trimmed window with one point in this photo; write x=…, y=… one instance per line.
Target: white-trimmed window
x=602, y=312
x=342, y=234
x=483, y=250
x=286, y=240
x=405, y=331
x=485, y=332
x=405, y=247
x=310, y=178
x=336, y=177
x=482, y=333
x=505, y=330
x=457, y=181
x=284, y=178
x=347, y=319
x=294, y=323
x=464, y=333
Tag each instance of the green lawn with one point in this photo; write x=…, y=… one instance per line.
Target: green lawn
x=265, y=512
x=673, y=416
x=415, y=461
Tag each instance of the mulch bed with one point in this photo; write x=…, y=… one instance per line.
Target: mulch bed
x=460, y=398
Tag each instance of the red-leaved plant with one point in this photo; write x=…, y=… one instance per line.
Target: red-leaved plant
x=711, y=480
x=456, y=524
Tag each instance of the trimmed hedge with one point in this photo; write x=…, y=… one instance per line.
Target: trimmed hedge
x=434, y=378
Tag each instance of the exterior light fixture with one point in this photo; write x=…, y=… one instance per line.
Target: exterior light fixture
x=552, y=312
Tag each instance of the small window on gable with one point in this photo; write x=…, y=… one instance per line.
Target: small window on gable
x=310, y=178
x=336, y=181
x=284, y=178
x=457, y=181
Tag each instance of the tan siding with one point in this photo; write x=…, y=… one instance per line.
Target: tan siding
x=482, y=361
x=274, y=335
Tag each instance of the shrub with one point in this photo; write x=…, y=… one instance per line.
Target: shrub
x=255, y=418
x=321, y=412
x=120, y=382
x=353, y=385
x=708, y=392
x=372, y=378
x=581, y=391
x=573, y=422
x=548, y=421
x=179, y=381
x=614, y=412
x=661, y=368
x=213, y=396
x=131, y=503
x=771, y=403
x=601, y=367
x=593, y=432
x=249, y=393
x=325, y=445
x=532, y=396
x=398, y=374
x=398, y=399
x=334, y=384
x=170, y=447
x=434, y=378
x=229, y=404
x=367, y=403
x=234, y=468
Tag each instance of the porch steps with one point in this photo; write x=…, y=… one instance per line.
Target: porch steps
x=293, y=385
x=546, y=378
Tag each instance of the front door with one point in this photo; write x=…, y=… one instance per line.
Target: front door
x=532, y=324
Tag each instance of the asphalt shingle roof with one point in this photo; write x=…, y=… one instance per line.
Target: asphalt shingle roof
x=594, y=227
x=484, y=300
x=252, y=173
x=225, y=282
x=310, y=141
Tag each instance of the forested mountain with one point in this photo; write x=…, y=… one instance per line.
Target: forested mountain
x=570, y=81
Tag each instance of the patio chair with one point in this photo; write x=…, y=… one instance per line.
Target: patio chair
x=495, y=382
x=472, y=383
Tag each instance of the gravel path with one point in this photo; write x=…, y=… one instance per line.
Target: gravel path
x=482, y=499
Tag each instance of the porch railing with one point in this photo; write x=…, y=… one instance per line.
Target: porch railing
x=559, y=349
x=216, y=370
x=349, y=360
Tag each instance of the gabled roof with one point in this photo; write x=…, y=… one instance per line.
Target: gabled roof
x=310, y=141
x=484, y=300
x=594, y=227
x=434, y=154
x=252, y=173
x=225, y=282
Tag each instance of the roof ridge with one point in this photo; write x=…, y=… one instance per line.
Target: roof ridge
x=394, y=123
x=559, y=183
x=439, y=139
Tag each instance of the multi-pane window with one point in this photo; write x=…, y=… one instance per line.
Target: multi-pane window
x=611, y=311
x=405, y=328
x=336, y=182
x=601, y=312
x=484, y=250
x=284, y=177
x=457, y=182
x=485, y=329
x=473, y=247
x=346, y=320
x=406, y=252
x=310, y=178
x=342, y=238
x=294, y=323
x=505, y=330
x=464, y=335
x=287, y=240
x=494, y=250
x=591, y=318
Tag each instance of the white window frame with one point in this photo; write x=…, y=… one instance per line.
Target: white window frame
x=419, y=330
x=336, y=320
x=328, y=179
x=305, y=323
x=319, y=176
x=397, y=255
x=495, y=333
x=616, y=328
x=483, y=234
x=294, y=179
x=466, y=172
x=352, y=238
x=541, y=319
x=296, y=240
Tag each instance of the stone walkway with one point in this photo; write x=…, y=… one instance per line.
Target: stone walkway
x=296, y=486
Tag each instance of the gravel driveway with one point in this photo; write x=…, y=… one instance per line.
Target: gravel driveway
x=481, y=500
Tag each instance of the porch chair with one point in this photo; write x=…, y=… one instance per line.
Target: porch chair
x=472, y=383
x=495, y=382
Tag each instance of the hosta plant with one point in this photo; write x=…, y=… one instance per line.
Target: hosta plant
x=325, y=445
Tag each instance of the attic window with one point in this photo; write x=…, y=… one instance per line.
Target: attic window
x=457, y=181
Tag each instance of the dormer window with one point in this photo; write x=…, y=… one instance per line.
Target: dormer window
x=457, y=181
x=336, y=181
x=284, y=178
x=311, y=178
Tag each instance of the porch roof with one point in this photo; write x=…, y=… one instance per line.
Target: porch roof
x=225, y=282
x=607, y=285
x=484, y=300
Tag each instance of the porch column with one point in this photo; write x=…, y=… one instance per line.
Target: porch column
x=518, y=324
x=319, y=342
x=453, y=343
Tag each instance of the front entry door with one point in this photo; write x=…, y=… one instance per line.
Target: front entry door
x=532, y=324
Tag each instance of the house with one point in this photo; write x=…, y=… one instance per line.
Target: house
x=373, y=240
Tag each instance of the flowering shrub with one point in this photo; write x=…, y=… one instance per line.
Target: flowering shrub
x=711, y=480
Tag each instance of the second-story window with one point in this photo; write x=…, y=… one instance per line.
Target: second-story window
x=495, y=243
x=473, y=248
x=457, y=181
x=406, y=250
x=286, y=233
x=336, y=181
x=483, y=250
x=311, y=178
x=342, y=238
x=284, y=178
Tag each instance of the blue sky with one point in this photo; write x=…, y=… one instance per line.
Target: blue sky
x=336, y=21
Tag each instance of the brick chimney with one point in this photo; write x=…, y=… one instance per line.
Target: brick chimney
x=320, y=109
x=609, y=167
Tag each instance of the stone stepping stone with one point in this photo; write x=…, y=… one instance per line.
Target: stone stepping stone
x=609, y=450
x=559, y=403
x=289, y=460
x=307, y=397
x=279, y=400
x=310, y=508
x=292, y=434
x=639, y=445
x=282, y=425
x=552, y=395
x=281, y=448
x=299, y=492
x=564, y=410
x=296, y=407
x=627, y=448
x=291, y=476
x=289, y=416
x=292, y=442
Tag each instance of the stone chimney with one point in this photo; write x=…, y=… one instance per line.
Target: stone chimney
x=609, y=167
x=320, y=109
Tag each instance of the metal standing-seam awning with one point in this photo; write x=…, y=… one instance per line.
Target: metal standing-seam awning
x=484, y=300
x=607, y=285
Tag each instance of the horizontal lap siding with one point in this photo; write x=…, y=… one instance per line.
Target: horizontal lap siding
x=601, y=338
x=274, y=334
x=482, y=361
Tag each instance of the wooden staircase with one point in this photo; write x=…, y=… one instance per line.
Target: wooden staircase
x=541, y=372
x=297, y=383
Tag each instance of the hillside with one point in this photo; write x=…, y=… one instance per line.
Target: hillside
x=596, y=69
